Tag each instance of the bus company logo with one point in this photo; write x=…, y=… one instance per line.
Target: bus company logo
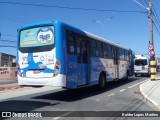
x=29, y=34
x=6, y=114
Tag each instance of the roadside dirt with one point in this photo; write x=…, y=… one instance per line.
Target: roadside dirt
x=10, y=87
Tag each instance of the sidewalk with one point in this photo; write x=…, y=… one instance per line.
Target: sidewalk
x=151, y=91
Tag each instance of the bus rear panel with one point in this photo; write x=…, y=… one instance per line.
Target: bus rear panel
x=39, y=62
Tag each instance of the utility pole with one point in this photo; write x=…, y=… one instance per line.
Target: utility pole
x=151, y=43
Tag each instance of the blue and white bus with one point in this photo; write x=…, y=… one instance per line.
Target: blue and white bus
x=56, y=54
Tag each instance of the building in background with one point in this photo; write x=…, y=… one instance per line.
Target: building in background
x=7, y=60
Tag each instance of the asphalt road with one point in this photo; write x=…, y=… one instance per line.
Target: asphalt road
x=117, y=96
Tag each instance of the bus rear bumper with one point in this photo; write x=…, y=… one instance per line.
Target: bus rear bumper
x=58, y=81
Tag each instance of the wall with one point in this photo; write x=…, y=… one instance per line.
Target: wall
x=8, y=73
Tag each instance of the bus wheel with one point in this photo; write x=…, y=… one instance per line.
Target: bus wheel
x=135, y=75
x=102, y=81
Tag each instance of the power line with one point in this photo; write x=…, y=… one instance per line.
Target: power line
x=65, y=7
x=12, y=16
x=140, y=4
x=156, y=28
x=146, y=2
x=8, y=41
x=11, y=20
x=9, y=35
x=156, y=21
x=156, y=16
x=154, y=25
x=8, y=46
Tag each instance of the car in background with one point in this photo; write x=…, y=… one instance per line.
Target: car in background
x=141, y=65
x=158, y=64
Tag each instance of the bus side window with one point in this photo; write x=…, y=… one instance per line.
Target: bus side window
x=123, y=54
x=99, y=49
x=78, y=49
x=84, y=51
x=71, y=43
x=129, y=56
x=126, y=55
x=93, y=48
x=110, y=54
x=105, y=52
x=120, y=54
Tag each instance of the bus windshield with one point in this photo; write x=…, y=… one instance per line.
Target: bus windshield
x=36, y=37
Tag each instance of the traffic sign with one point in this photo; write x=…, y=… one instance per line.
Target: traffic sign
x=150, y=47
x=151, y=53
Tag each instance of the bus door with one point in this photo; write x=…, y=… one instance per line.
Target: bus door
x=116, y=64
x=82, y=66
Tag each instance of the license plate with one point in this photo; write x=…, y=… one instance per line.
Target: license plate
x=36, y=71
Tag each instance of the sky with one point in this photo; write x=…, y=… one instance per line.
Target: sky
x=129, y=25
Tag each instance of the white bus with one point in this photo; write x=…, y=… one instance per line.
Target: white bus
x=141, y=65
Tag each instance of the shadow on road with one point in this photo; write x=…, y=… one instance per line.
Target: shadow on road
x=19, y=105
x=81, y=93
x=50, y=99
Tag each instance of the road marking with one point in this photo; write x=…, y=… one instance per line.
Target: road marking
x=122, y=90
x=97, y=100
x=63, y=115
x=111, y=94
x=56, y=118
x=137, y=84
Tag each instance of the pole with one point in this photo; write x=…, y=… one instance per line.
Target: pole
x=152, y=57
x=103, y=25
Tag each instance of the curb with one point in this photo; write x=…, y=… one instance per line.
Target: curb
x=146, y=96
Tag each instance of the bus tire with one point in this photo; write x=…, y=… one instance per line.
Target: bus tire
x=102, y=81
x=135, y=75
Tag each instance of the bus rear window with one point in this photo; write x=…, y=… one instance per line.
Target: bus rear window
x=39, y=36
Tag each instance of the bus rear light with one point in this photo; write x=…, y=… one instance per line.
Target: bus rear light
x=56, y=68
x=57, y=65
